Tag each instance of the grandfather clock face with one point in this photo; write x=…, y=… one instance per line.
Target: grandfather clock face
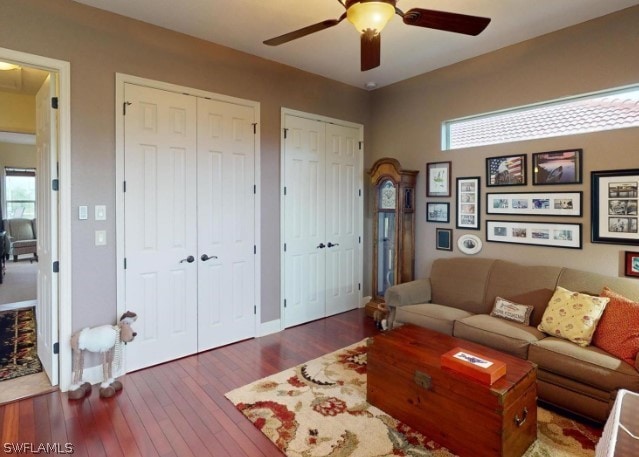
x=387, y=195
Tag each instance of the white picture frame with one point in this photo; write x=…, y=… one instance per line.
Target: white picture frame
x=469, y=244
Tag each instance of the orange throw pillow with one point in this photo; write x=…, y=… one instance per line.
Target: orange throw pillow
x=618, y=329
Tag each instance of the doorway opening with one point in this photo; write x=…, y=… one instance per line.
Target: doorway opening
x=34, y=154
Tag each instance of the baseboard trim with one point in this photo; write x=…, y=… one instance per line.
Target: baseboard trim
x=268, y=328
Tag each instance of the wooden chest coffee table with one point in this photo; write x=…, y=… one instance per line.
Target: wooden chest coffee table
x=406, y=380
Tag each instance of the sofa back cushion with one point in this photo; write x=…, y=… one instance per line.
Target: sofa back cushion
x=593, y=283
x=528, y=285
x=461, y=282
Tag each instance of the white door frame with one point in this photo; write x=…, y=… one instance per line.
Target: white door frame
x=120, y=80
x=62, y=232
x=360, y=211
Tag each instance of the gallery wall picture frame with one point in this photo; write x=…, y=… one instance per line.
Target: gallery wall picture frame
x=468, y=202
x=557, y=167
x=506, y=171
x=444, y=239
x=556, y=235
x=438, y=179
x=437, y=212
x=615, y=198
x=632, y=264
x=469, y=244
x=568, y=204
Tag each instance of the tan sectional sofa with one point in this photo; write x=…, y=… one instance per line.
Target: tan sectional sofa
x=457, y=300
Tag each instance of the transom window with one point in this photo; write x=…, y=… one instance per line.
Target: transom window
x=607, y=110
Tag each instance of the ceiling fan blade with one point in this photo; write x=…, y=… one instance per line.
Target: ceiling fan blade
x=371, y=50
x=327, y=24
x=450, y=22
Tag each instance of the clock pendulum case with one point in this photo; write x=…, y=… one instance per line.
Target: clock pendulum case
x=394, y=228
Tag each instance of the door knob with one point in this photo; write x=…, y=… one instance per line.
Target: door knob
x=321, y=246
x=206, y=257
x=330, y=245
x=189, y=259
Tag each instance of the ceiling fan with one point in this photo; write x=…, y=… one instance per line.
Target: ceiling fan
x=370, y=16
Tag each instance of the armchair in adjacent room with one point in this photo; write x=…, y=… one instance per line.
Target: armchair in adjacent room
x=21, y=237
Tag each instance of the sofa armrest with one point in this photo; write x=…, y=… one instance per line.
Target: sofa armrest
x=408, y=293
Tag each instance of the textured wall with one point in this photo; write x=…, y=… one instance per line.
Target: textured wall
x=98, y=44
x=402, y=120
x=592, y=56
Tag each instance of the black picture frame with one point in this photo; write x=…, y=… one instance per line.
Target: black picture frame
x=438, y=179
x=561, y=204
x=549, y=234
x=468, y=203
x=557, y=167
x=506, y=170
x=615, y=201
x=444, y=239
x=438, y=212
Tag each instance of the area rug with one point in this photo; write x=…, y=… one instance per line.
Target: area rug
x=319, y=408
x=18, y=351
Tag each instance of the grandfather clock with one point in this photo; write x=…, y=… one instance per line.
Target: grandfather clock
x=394, y=227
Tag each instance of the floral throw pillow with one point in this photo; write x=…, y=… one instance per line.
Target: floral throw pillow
x=618, y=329
x=572, y=315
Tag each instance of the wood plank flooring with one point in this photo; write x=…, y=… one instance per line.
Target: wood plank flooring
x=178, y=408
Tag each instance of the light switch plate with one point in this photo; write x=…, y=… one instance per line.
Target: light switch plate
x=83, y=212
x=100, y=213
x=100, y=238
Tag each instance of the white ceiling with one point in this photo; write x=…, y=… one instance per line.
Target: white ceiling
x=406, y=50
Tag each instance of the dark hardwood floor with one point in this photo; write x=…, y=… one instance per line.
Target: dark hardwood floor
x=178, y=408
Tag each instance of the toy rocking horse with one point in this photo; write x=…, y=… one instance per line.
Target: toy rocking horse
x=107, y=340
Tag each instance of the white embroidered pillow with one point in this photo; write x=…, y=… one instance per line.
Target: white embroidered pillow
x=572, y=315
x=511, y=311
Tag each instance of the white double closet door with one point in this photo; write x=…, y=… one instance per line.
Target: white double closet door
x=322, y=219
x=189, y=223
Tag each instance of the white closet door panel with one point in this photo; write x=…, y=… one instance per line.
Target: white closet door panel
x=304, y=214
x=160, y=207
x=342, y=219
x=226, y=213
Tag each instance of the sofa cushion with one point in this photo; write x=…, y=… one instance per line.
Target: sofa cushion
x=572, y=315
x=525, y=284
x=588, y=365
x=461, y=283
x=512, y=311
x=618, y=328
x=593, y=283
x=435, y=317
x=506, y=336
x=24, y=244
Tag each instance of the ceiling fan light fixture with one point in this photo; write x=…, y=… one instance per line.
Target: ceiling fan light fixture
x=370, y=15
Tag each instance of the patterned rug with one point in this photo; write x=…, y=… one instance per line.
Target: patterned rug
x=319, y=409
x=18, y=352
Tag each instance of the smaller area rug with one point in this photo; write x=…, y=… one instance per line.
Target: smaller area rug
x=18, y=352
x=319, y=409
